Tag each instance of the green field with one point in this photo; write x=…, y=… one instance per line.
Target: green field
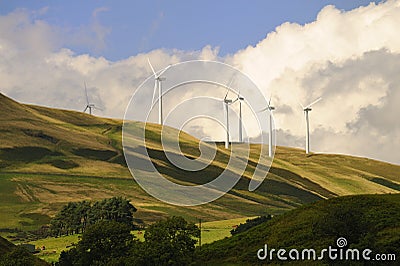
x=54, y=246
x=216, y=230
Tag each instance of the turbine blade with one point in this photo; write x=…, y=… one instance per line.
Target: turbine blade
x=151, y=66
x=270, y=98
x=264, y=109
x=314, y=102
x=230, y=82
x=226, y=95
x=302, y=106
x=85, y=109
x=97, y=108
x=165, y=69
x=86, y=93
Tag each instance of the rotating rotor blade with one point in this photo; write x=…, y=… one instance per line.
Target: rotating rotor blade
x=231, y=81
x=226, y=95
x=269, y=102
x=314, y=102
x=239, y=97
x=86, y=93
x=229, y=86
x=87, y=106
x=165, y=69
x=264, y=109
x=97, y=108
x=151, y=66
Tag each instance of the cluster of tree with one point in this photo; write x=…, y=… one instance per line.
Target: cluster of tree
x=250, y=223
x=167, y=242
x=74, y=217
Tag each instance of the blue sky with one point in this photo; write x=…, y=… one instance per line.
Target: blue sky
x=134, y=27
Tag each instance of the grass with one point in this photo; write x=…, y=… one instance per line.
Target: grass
x=216, y=230
x=54, y=246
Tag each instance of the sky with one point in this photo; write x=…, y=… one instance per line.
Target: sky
x=345, y=51
x=126, y=28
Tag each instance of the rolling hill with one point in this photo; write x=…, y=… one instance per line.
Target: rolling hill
x=49, y=157
x=365, y=221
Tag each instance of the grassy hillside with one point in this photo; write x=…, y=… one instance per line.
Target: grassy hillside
x=366, y=221
x=49, y=157
x=13, y=255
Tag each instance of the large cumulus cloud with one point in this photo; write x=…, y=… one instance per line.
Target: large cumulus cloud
x=351, y=60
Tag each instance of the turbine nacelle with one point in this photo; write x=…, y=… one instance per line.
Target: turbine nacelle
x=308, y=107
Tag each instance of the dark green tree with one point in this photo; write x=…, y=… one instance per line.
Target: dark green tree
x=74, y=217
x=168, y=242
x=101, y=244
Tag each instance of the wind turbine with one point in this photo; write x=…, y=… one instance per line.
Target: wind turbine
x=157, y=85
x=307, y=109
x=270, y=108
x=89, y=105
x=240, y=99
x=227, y=102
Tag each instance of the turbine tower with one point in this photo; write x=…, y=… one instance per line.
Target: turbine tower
x=158, y=86
x=307, y=109
x=270, y=108
x=240, y=99
x=89, y=106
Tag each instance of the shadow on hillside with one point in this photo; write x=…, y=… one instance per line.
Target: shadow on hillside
x=293, y=186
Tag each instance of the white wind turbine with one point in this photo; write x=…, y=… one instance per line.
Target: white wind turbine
x=89, y=106
x=307, y=109
x=227, y=102
x=157, y=85
x=270, y=108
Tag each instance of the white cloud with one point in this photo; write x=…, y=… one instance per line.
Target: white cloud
x=351, y=59
x=348, y=58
